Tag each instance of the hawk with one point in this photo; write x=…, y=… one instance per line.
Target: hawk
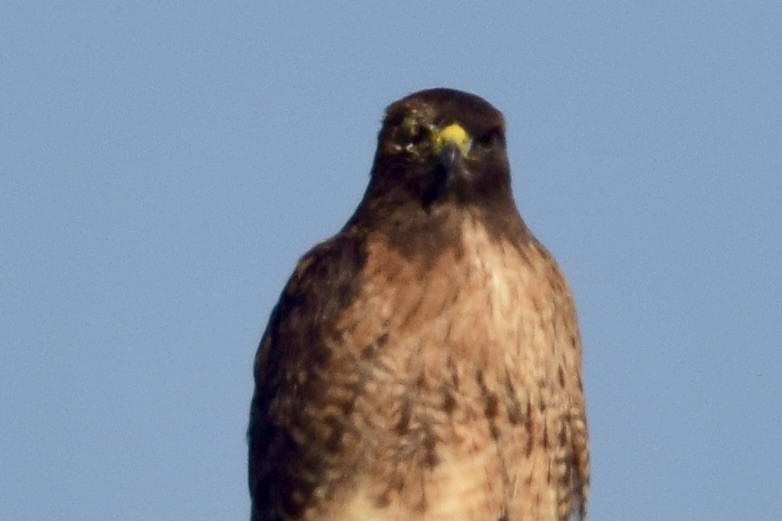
x=424, y=363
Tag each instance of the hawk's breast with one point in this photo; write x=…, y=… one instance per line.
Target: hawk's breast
x=446, y=380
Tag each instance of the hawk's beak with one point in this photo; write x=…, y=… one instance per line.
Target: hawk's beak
x=452, y=145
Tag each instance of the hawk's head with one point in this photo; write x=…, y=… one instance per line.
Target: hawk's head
x=440, y=163
x=442, y=146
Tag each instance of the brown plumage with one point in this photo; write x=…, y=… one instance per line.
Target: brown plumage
x=424, y=363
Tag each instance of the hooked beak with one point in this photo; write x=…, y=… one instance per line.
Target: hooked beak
x=452, y=144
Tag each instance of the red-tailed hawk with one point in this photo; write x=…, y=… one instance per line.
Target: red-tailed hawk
x=424, y=363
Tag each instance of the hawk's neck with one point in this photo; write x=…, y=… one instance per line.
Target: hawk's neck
x=422, y=235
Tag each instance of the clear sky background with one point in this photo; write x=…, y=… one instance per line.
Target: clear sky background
x=163, y=166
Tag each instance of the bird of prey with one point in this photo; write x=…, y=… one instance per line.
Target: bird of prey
x=424, y=363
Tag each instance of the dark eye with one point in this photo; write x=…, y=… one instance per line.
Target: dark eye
x=412, y=132
x=490, y=138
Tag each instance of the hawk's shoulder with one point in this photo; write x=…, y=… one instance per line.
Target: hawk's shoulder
x=324, y=281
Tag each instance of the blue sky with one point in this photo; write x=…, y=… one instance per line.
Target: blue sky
x=164, y=165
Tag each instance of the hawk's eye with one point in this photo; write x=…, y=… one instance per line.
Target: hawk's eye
x=489, y=138
x=412, y=131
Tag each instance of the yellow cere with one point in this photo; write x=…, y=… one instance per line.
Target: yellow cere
x=456, y=134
